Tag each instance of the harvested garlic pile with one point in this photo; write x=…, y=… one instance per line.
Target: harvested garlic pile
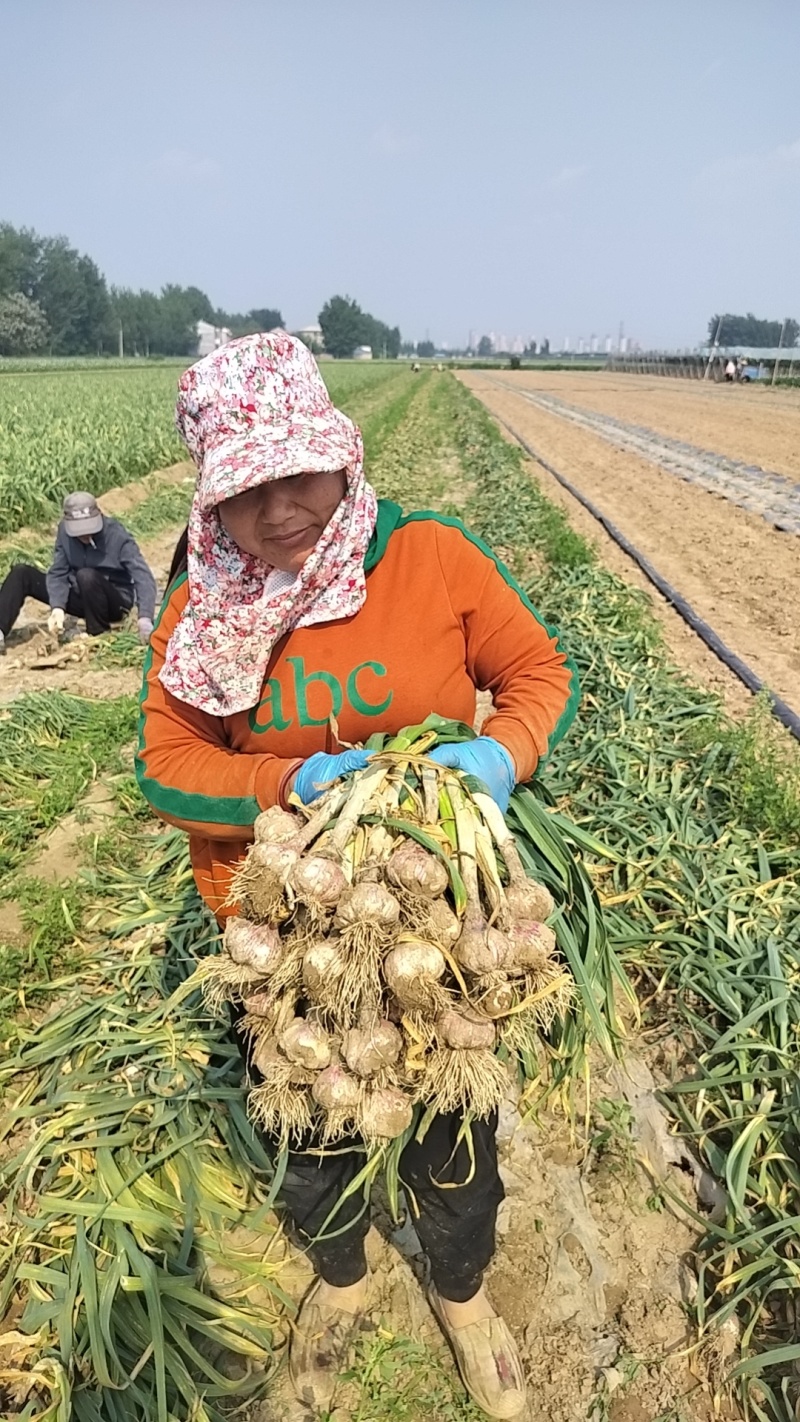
x=387, y=943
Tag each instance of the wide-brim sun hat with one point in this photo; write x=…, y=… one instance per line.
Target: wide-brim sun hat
x=258, y=409
x=320, y=445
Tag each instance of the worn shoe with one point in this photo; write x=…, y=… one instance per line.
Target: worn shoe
x=488, y=1361
x=318, y=1348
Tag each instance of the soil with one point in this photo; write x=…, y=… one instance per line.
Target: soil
x=738, y=572
x=592, y=1279
x=58, y=854
x=760, y=426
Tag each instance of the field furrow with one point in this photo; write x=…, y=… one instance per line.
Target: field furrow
x=142, y=1270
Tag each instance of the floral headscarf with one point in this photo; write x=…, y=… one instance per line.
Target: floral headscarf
x=256, y=410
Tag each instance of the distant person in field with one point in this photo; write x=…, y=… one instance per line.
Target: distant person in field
x=730, y=371
x=97, y=574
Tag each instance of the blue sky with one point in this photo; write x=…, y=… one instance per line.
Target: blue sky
x=541, y=167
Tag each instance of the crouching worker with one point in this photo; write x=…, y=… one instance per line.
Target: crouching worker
x=97, y=574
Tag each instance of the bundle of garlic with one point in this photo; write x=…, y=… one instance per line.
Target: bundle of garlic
x=388, y=945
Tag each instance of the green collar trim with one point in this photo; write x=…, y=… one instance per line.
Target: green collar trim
x=389, y=517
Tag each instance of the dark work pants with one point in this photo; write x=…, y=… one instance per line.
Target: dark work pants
x=456, y=1226
x=96, y=600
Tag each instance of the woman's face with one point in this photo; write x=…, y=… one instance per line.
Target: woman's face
x=279, y=522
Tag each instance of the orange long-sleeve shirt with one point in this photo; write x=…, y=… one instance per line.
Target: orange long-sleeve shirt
x=442, y=617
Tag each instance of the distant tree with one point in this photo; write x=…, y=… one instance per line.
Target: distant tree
x=544, y=349
x=342, y=322
x=749, y=330
x=179, y=310
x=263, y=318
x=531, y=349
x=345, y=326
x=266, y=318
x=19, y=257
x=407, y=348
x=138, y=315
x=426, y=349
x=384, y=340
x=158, y=325
x=23, y=328
x=485, y=347
x=73, y=295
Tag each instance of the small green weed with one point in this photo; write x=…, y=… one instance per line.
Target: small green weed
x=402, y=1381
x=611, y=1141
x=167, y=505
x=764, y=772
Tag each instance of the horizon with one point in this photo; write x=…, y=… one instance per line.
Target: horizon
x=539, y=175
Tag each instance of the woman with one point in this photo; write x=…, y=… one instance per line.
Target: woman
x=307, y=603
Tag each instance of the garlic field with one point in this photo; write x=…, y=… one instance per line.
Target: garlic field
x=647, y=1256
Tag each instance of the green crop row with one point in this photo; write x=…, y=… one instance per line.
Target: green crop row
x=60, y=432
x=95, y=429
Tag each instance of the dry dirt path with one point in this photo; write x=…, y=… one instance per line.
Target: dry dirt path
x=592, y=1278
x=745, y=422
x=739, y=573
x=775, y=497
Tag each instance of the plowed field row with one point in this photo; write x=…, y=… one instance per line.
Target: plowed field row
x=738, y=572
x=776, y=497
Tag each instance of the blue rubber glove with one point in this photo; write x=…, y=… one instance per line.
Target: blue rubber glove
x=487, y=760
x=316, y=773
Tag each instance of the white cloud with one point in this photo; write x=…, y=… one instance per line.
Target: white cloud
x=178, y=165
x=393, y=142
x=776, y=167
x=568, y=177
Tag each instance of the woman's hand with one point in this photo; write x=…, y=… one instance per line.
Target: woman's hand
x=487, y=760
x=316, y=773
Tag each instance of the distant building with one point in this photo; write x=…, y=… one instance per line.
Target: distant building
x=362, y=353
x=210, y=338
x=312, y=336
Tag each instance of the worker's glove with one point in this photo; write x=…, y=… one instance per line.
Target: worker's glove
x=145, y=629
x=487, y=760
x=55, y=622
x=316, y=773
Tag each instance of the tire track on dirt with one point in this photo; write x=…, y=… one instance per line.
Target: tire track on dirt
x=738, y=572
x=776, y=497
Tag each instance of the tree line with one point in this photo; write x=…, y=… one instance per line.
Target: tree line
x=55, y=299
x=749, y=330
x=345, y=327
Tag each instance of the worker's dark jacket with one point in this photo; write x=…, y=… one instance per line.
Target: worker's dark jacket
x=115, y=554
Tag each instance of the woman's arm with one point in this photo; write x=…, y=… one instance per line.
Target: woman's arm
x=186, y=770
x=511, y=651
